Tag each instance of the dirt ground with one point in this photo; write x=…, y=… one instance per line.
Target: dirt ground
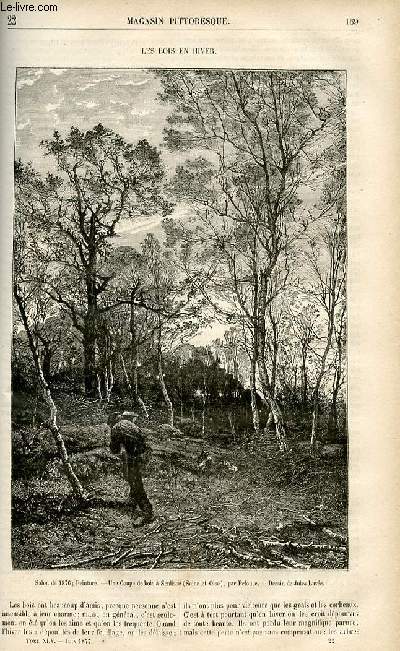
x=250, y=508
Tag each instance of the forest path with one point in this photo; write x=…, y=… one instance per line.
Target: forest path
x=246, y=512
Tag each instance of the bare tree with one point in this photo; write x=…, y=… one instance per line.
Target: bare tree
x=328, y=262
x=263, y=134
x=29, y=271
x=171, y=300
x=100, y=180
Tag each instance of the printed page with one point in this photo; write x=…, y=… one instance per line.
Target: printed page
x=199, y=355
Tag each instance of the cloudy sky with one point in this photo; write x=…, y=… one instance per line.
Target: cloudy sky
x=125, y=101
x=51, y=99
x=122, y=100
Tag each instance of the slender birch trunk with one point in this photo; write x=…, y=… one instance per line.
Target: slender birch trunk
x=99, y=393
x=270, y=400
x=232, y=425
x=128, y=383
x=134, y=387
x=253, y=397
x=203, y=413
x=52, y=422
x=275, y=352
x=332, y=288
x=253, y=368
x=268, y=393
x=333, y=418
x=314, y=425
x=90, y=321
x=109, y=380
x=304, y=379
x=164, y=389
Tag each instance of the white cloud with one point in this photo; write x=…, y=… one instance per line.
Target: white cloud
x=139, y=225
x=30, y=79
x=133, y=83
x=52, y=107
x=58, y=71
x=86, y=86
x=94, y=82
x=88, y=105
x=108, y=78
x=25, y=82
x=142, y=113
x=118, y=102
x=23, y=125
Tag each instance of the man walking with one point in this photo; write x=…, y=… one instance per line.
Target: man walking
x=128, y=441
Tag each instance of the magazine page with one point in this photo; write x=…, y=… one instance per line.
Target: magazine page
x=199, y=355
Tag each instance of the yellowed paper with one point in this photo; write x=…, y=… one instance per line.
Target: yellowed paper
x=361, y=41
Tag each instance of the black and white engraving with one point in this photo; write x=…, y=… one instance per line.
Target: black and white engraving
x=179, y=325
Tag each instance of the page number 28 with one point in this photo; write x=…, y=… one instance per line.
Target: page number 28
x=352, y=22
